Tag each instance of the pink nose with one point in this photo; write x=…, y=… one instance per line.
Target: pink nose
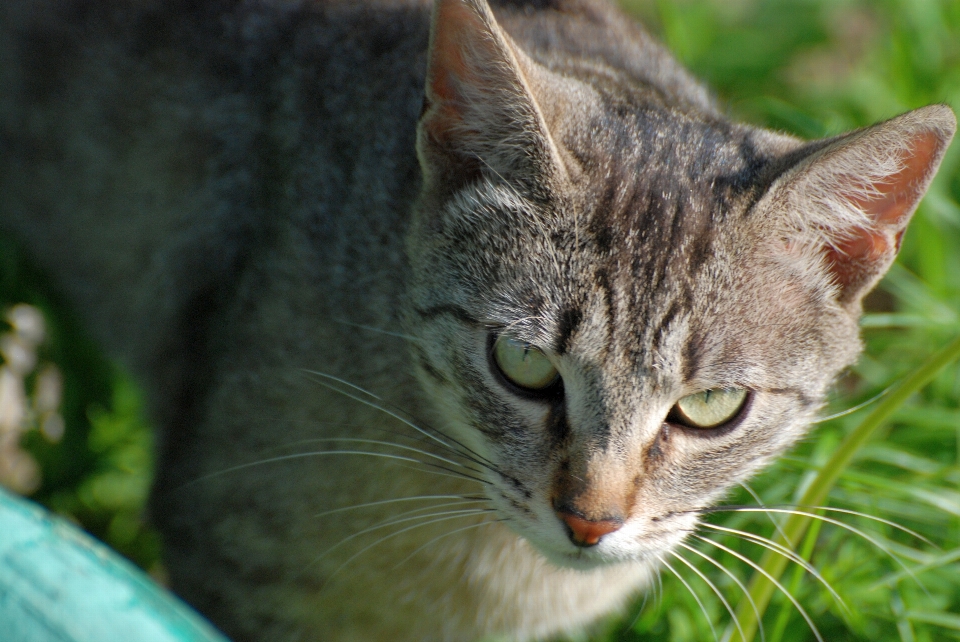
x=586, y=532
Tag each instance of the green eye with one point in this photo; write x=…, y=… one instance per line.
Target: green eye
x=709, y=408
x=524, y=365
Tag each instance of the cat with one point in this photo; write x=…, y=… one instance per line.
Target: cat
x=453, y=317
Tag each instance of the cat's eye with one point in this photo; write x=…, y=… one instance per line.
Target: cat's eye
x=523, y=365
x=709, y=408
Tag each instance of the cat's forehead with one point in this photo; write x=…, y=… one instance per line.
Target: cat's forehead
x=634, y=277
x=636, y=203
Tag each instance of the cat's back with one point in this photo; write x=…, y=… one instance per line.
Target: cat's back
x=153, y=151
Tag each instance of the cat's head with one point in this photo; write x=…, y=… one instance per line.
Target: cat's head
x=623, y=302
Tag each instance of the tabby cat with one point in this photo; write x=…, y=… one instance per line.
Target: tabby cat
x=453, y=318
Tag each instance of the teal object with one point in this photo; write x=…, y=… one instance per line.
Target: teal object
x=58, y=584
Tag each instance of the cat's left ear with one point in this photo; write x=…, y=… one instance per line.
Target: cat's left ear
x=479, y=110
x=848, y=201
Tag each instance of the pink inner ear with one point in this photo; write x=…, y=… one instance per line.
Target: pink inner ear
x=857, y=258
x=456, y=28
x=446, y=55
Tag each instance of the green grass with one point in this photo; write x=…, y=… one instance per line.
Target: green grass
x=811, y=67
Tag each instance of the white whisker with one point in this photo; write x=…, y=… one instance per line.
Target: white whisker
x=835, y=522
x=439, y=537
x=850, y=411
x=377, y=330
x=357, y=440
x=395, y=501
x=694, y=594
x=773, y=580
x=321, y=453
x=451, y=515
x=756, y=498
x=784, y=551
x=713, y=587
x=736, y=581
x=874, y=518
x=464, y=451
x=406, y=516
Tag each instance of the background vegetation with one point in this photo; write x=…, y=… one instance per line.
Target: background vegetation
x=811, y=67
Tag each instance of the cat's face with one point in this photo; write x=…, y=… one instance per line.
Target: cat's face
x=624, y=307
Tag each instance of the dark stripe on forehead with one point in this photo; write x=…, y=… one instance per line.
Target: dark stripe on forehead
x=606, y=292
x=692, y=356
x=700, y=249
x=567, y=325
x=675, y=309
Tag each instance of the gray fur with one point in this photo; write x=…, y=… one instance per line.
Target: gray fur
x=232, y=194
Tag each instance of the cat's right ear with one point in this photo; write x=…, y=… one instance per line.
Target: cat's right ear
x=844, y=205
x=479, y=113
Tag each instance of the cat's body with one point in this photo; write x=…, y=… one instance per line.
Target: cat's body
x=232, y=196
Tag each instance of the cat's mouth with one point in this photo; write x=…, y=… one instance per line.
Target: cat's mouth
x=580, y=559
x=643, y=541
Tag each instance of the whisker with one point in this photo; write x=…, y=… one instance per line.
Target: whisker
x=357, y=427
x=344, y=382
x=694, y=594
x=449, y=473
x=439, y=537
x=856, y=531
x=713, y=587
x=773, y=580
x=395, y=501
x=643, y=605
x=887, y=522
x=463, y=450
x=784, y=551
x=319, y=453
x=453, y=515
x=736, y=581
x=358, y=440
x=377, y=330
x=283, y=458
x=830, y=509
x=659, y=595
x=417, y=438
x=850, y=411
x=756, y=498
x=400, y=518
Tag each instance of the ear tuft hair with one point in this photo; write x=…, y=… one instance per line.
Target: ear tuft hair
x=479, y=110
x=849, y=201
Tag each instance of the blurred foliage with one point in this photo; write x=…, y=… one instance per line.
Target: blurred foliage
x=810, y=67
x=98, y=473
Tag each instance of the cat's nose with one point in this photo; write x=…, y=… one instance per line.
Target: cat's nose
x=587, y=532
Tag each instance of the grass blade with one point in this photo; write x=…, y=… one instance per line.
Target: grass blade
x=761, y=588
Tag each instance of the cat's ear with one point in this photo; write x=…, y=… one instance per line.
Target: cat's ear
x=848, y=202
x=479, y=112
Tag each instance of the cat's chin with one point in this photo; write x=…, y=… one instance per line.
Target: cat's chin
x=581, y=559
